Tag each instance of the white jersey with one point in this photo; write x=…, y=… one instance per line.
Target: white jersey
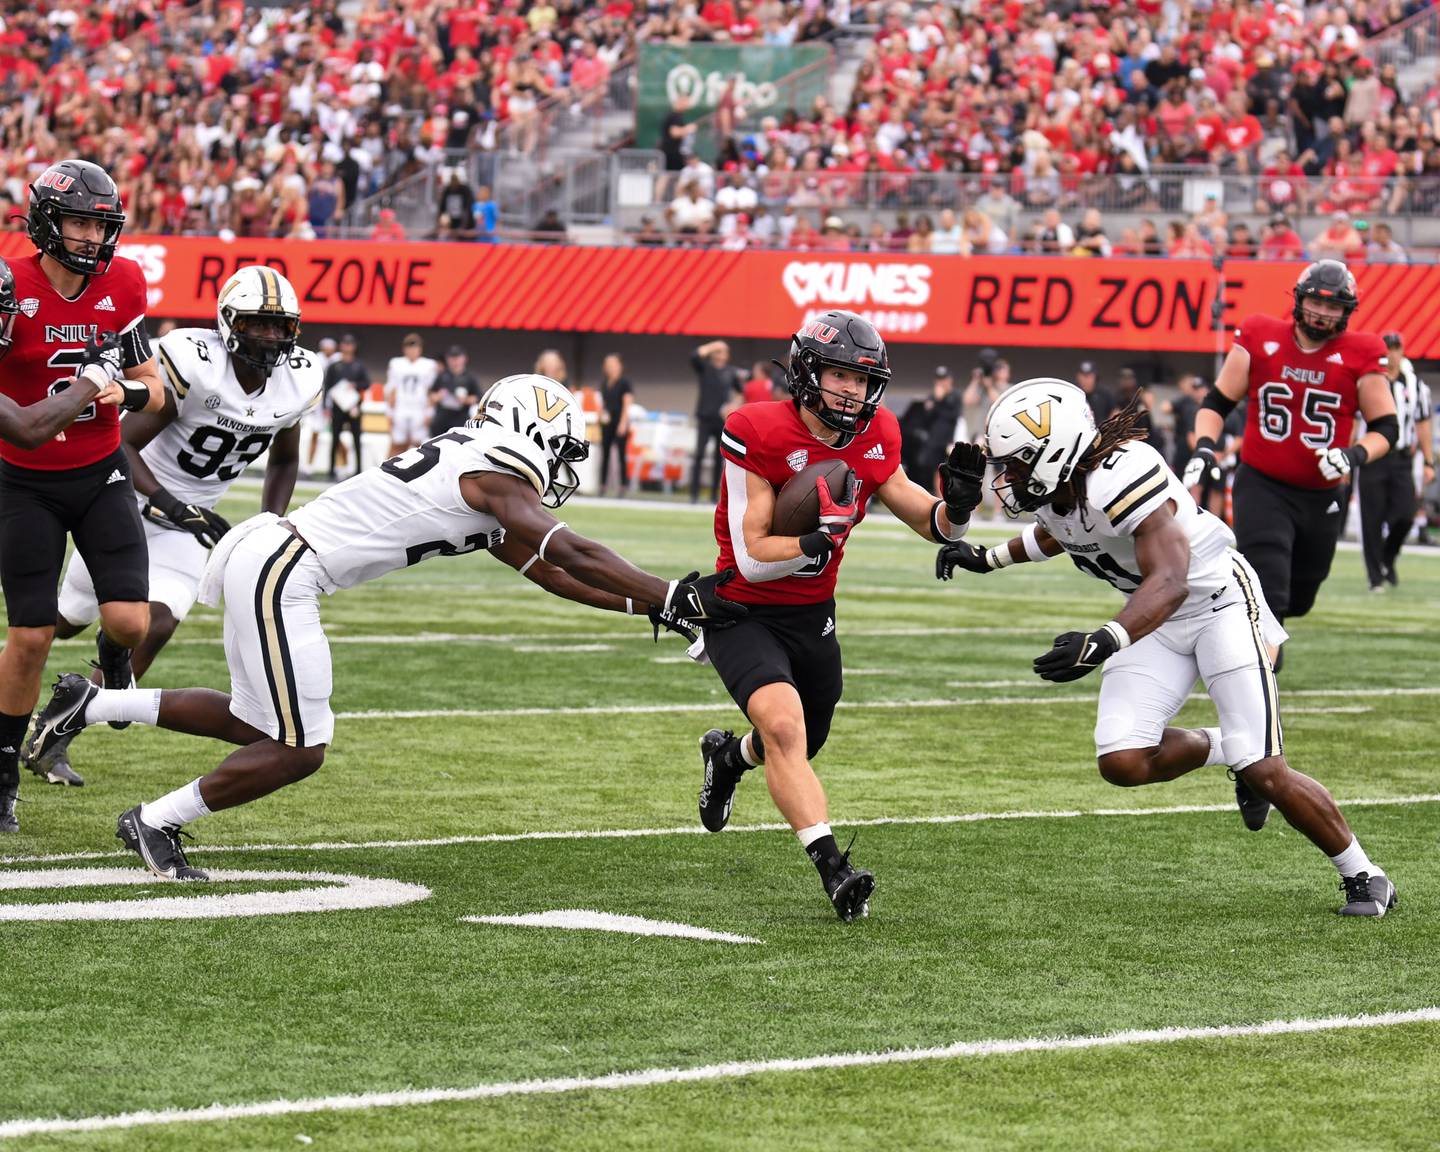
x=403, y=512
x=1130, y=484
x=408, y=382
x=219, y=428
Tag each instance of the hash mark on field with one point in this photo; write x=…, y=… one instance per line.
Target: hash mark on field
x=652, y=1077
x=696, y=830
x=583, y=919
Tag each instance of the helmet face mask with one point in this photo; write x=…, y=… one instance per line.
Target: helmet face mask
x=850, y=343
x=1330, y=282
x=258, y=317
x=75, y=189
x=1037, y=432
x=9, y=307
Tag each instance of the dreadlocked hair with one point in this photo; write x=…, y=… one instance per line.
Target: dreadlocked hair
x=1118, y=429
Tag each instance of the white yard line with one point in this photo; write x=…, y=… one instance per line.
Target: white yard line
x=696, y=830
x=652, y=1077
x=1048, y=698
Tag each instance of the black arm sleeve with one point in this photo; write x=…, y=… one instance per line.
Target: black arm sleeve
x=1217, y=401
x=1387, y=426
x=135, y=346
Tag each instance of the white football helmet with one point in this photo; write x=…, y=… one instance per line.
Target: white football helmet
x=258, y=314
x=536, y=429
x=1036, y=433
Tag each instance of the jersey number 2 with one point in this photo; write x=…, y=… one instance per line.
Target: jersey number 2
x=70, y=358
x=1320, y=410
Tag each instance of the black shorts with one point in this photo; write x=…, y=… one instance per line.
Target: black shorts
x=96, y=505
x=793, y=644
x=1289, y=535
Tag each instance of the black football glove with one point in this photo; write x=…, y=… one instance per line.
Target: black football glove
x=103, y=351
x=1076, y=654
x=695, y=600
x=961, y=477
x=672, y=623
x=1203, y=465
x=961, y=554
x=205, y=525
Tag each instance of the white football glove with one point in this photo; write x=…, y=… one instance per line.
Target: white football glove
x=1337, y=463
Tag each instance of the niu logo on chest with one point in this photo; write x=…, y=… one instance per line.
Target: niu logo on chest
x=68, y=333
x=1303, y=375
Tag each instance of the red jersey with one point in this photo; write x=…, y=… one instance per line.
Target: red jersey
x=1301, y=401
x=772, y=441
x=49, y=339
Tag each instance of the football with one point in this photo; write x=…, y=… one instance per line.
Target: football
x=797, y=508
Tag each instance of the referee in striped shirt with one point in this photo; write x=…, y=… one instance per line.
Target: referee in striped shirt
x=1388, y=495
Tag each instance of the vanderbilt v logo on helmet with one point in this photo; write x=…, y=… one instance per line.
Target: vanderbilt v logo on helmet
x=1037, y=427
x=547, y=404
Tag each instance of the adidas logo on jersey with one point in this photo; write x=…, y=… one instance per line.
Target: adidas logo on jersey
x=1271, y=347
x=105, y=305
x=116, y=477
x=875, y=453
x=829, y=626
x=1334, y=358
x=1334, y=507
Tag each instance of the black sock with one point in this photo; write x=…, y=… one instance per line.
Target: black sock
x=824, y=853
x=12, y=734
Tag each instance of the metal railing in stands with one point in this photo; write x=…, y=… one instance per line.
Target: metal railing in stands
x=710, y=129
x=1408, y=41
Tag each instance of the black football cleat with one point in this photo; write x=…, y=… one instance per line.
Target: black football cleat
x=1367, y=895
x=114, y=664
x=849, y=890
x=159, y=848
x=63, y=715
x=54, y=766
x=1253, y=810
x=717, y=790
x=8, y=820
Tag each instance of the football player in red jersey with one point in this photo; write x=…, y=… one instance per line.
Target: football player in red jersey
x=81, y=313
x=781, y=664
x=1307, y=378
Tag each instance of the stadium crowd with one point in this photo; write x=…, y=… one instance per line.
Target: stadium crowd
x=961, y=122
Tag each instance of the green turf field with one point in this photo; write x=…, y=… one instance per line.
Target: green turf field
x=475, y=709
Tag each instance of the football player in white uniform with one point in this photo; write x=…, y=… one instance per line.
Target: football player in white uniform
x=407, y=394
x=486, y=487
x=1193, y=609
x=230, y=394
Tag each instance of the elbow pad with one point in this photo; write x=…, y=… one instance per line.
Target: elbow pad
x=1387, y=426
x=1217, y=401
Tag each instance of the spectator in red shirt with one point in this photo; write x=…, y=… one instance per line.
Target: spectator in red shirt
x=387, y=227
x=1282, y=185
x=1280, y=241
x=1340, y=240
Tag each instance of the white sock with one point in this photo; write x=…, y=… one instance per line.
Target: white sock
x=809, y=835
x=1353, y=861
x=175, y=808
x=140, y=705
x=1217, y=750
x=747, y=751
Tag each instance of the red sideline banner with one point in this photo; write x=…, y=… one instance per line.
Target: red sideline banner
x=1073, y=303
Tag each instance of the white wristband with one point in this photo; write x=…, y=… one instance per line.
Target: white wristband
x=670, y=594
x=546, y=540
x=999, y=556
x=1117, y=630
x=629, y=606
x=1031, y=539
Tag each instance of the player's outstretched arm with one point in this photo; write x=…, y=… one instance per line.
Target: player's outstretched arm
x=1032, y=546
x=32, y=425
x=940, y=521
x=557, y=581
x=281, y=470
x=515, y=504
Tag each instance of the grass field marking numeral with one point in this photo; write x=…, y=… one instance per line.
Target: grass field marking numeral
x=331, y=892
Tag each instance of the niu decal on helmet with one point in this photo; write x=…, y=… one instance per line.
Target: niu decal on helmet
x=9, y=306
x=535, y=428
x=258, y=314
x=75, y=188
x=1036, y=434
x=838, y=340
x=1325, y=280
